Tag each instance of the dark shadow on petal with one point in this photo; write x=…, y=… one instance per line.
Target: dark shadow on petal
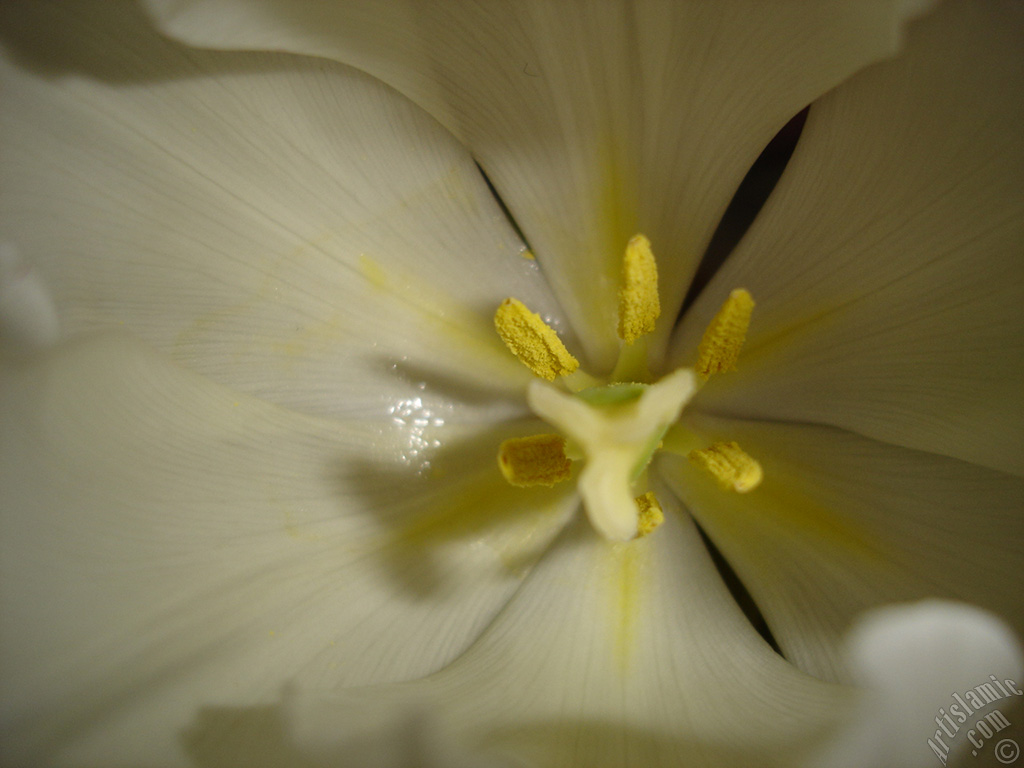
x=456, y=497
x=606, y=744
x=750, y=197
x=112, y=42
x=241, y=737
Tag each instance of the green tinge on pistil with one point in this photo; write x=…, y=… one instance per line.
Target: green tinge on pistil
x=618, y=435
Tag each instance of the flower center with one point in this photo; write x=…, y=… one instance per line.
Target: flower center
x=617, y=426
x=617, y=439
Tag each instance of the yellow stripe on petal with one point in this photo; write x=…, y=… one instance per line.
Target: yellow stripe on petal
x=534, y=460
x=639, y=306
x=533, y=341
x=650, y=514
x=730, y=465
x=720, y=347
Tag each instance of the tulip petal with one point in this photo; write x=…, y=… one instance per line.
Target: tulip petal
x=288, y=226
x=594, y=120
x=911, y=660
x=887, y=264
x=170, y=549
x=611, y=654
x=842, y=524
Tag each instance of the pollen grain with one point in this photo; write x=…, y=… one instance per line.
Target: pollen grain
x=730, y=465
x=650, y=515
x=720, y=347
x=534, y=460
x=533, y=341
x=639, y=306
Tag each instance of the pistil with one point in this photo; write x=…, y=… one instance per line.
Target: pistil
x=617, y=441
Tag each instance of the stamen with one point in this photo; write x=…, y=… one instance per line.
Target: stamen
x=534, y=460
x=720, y=347
x=533, y=341
x=650, y=514
x=639, y=306
x=730, y=465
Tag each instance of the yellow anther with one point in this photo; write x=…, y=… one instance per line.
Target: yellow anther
x=720, y=347
x=639, y=306
x=533, y=341
x=534, y=460
x=650, y=514
x=730, y=465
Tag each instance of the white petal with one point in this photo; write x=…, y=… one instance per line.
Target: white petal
x=611, y=654
x=841, y=524
x=287, y=226
x=172, y=552
x=595, y=121
x=887, y=265
x=915, y=663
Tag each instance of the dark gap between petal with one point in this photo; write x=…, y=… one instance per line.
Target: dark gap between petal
x=501, y=204
x=750, y=197
x=739, y=593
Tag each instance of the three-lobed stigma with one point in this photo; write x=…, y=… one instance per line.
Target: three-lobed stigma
x=618, y=441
